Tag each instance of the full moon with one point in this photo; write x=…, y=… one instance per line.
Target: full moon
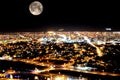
x=36, y=8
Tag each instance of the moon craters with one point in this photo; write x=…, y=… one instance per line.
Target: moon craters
x=36, y=8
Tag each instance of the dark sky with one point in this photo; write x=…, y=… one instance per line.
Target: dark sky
x=67, y=14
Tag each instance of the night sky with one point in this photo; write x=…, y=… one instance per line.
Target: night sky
x=57, y=14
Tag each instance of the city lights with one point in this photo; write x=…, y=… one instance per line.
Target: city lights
x=56, y=55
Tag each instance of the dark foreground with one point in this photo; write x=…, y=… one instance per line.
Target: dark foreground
x=23, y=71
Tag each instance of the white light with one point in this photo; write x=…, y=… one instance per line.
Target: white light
x=108, y=29
x=11, y=76
x=36, y=78
x=10, y=58
x=85, y=68
x=59, y=78
x=48, y=78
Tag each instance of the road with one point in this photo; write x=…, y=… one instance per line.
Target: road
x=62, y=67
